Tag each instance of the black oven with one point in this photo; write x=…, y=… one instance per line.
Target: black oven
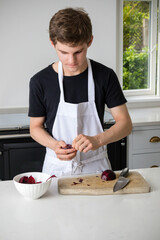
x=19, y=153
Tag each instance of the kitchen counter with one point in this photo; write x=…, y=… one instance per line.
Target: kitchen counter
x=14, y=121
x=145, y=116
x=141, y=117
x=55, y=216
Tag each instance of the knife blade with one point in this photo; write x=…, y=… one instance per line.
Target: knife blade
x=122, y=180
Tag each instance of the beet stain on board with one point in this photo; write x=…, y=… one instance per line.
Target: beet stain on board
x=79, y=181
x=75, y=183
x=106, y=176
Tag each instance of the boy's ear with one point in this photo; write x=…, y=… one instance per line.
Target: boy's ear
x=90, y=42
x=52, y=43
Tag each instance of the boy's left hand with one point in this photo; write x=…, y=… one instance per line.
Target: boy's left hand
x=85, y=143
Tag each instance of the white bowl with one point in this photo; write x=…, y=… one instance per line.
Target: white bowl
x=33, y=191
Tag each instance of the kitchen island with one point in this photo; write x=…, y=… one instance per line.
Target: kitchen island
x=55, y=216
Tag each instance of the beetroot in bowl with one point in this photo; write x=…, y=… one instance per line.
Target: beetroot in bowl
x=35, y=188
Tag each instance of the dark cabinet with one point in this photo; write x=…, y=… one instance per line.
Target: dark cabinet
x=117, y=152
x=20, y=155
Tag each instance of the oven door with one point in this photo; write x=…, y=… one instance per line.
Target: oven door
x=20, y=155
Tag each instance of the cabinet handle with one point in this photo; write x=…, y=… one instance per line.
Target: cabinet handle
x=155, y=139
x=123, y=144
x=154, y=166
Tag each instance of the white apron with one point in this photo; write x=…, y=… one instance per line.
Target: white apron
x=70, y=121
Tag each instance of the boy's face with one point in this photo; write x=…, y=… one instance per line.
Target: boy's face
x=73, y=58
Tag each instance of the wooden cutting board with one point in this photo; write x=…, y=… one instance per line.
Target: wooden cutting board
x=93, y=185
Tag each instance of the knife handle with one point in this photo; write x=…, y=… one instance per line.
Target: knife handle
x=124, y=172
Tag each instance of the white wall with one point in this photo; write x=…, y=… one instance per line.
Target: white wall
x=24, y=41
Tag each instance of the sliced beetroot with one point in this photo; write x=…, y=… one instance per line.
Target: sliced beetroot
x=31, y=180
x=68, y=146
x=28, y=180
x=108, y=175
x=23, y=179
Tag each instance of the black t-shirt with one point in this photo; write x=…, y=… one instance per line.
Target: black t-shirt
x=45, y=92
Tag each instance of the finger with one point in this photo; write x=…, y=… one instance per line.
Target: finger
x=62, y=144
x=81, y=142
x=82, y=146
x=61, y=151
x=66, y=157
x=87, y=148
x=77, y=139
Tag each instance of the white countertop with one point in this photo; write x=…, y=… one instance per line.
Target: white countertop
x=13, y=120
x=141, y=117
x=145, y=116
x=55, y=216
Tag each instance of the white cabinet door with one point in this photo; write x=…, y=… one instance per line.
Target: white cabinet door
x=141, y=152
x=145, y=160
x=141, y=140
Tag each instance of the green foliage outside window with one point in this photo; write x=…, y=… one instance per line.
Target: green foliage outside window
x=135, y=52
x=135, y=68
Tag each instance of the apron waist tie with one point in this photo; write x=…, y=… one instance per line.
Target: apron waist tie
x=80, y=164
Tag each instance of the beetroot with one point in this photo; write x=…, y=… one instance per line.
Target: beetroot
x=108, y=175
x=23, y=179
x=68, y=146
x=28, y=180
x=31, y=180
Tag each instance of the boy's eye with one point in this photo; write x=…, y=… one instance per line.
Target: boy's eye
x=78, y=52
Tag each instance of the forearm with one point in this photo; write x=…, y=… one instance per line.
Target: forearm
x=40, y=135
x=118, y=131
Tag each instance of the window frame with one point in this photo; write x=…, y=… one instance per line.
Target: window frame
x=154, y=75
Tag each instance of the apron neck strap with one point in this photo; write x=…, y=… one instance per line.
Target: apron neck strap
x=91, y=87
x=60, y=78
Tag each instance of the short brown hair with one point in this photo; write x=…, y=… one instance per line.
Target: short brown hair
x=70, y=25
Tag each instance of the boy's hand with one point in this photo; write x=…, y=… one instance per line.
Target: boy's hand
x=85, y=143
x=64, y=151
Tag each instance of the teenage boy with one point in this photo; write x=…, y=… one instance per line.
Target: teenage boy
x=69, y=97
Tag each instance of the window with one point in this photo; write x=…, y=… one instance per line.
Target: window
x=138, y=63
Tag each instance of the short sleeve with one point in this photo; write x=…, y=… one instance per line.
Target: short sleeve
x=36, y=99
x=114, y=94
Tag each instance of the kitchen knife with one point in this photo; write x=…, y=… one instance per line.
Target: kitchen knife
x=122, y=180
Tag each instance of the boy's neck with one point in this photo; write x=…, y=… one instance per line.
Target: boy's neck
x=69, y=73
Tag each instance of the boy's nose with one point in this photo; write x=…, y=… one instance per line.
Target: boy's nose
x=71, y=59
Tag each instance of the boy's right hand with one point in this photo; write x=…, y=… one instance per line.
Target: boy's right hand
x=64, y=151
